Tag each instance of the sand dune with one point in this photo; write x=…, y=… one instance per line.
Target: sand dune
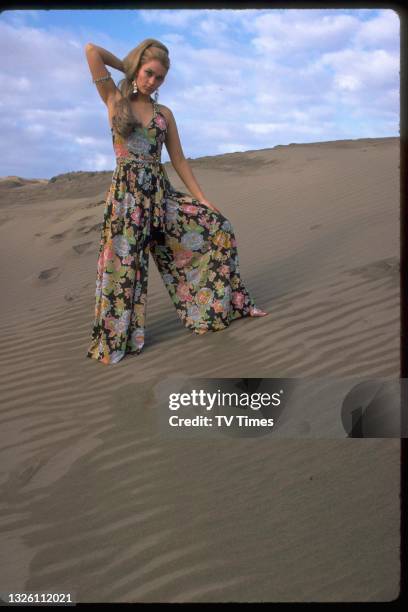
x=96, y=500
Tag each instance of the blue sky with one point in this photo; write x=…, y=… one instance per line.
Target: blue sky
x=239, y=80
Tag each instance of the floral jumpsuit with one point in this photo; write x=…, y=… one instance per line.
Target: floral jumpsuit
x=193, y=247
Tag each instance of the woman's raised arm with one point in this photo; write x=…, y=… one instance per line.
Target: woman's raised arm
x=107, y=57
x=98, y=58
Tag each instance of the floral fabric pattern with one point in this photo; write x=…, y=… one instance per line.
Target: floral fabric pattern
x=193, y=247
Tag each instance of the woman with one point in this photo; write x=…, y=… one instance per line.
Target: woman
x=192, y=243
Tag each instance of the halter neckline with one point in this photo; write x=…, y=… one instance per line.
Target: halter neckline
x=155, y=111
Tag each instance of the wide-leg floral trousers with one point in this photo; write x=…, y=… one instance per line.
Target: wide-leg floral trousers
x=193, y=247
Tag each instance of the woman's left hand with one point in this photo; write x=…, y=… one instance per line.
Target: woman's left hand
x=209, y=204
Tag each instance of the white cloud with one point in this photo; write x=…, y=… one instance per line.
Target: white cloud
x=347, y=82
x=176, y=18
x=19, y=18
x=299, y=31
x=232, y=147
x=383, y=30
x=171, y=38
x=371, y=68
x=99, y=162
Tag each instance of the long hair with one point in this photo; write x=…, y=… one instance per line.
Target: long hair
x=123, y=120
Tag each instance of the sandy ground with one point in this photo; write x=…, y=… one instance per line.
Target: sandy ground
x=97, y=500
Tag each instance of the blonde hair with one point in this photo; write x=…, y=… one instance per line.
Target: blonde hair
x=123, y=120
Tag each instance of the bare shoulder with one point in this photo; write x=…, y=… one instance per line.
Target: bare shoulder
x=172, y=140
x=166, y=112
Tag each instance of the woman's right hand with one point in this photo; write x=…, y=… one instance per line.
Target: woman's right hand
x=209, y=204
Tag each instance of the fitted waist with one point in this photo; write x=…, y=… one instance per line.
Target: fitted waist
x=138, y=159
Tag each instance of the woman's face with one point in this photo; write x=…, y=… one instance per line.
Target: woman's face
x=150, y=76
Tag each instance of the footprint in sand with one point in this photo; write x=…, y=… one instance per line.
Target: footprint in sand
x=49, y=274
x=93, y=204
x=81, y=248
x=59, y=236
x=71, y=295
x=90, y=228
x=388, y=267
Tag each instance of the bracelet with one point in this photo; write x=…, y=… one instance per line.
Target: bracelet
x=104, y=78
